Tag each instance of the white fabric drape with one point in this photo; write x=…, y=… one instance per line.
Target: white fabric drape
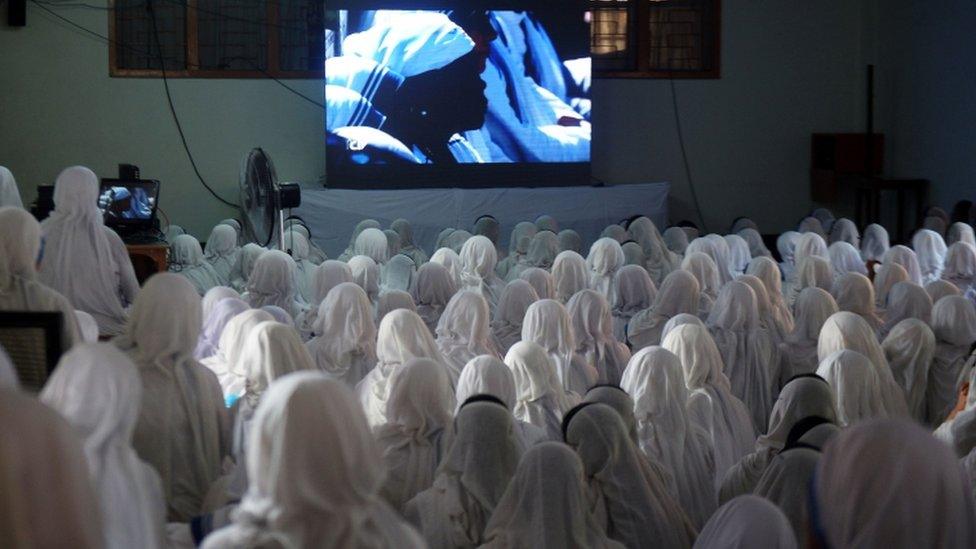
x=366, y=273
x=214, y=325
x=635, y=292
x=747, y=521
x=856, y=385
x=223, y=363
x=186, y=259
x=464, y=331
x=433, y=288
x=910, y=348
x=345, y=343
x=930, y=249
x=678, y=294
x=313, y=483
x=548, y=324
x=9, y=194
x=391, y=301
x=540, y=398
x=570, y=275
x=541, y=281
x=604, y=259
x=786, y=483
x=222, y=252
x=593, y=334
x=80, y=260
x=960, y=267
x=97, y=389
x=407, y=245
x=845, y=230
x=326, y=276
x=397, y=274
x=709, y=280
x=906, y=257
x=272, y=282
x=372, y=243
x=798, y=352
x=906, y=300
x=506, y=324
x=874, y=243
x=954, y=325
x=845, y=258
x=854, y=293
x=478, y=260
x=658, y=259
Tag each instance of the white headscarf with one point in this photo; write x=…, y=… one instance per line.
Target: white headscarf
x=569, y=274
x=747, y=350
x=345, y=343
x=906, y=257
x=866, y=503
x=87, y=327
x=766, y=270
x=542, y=250
x=961, y=232
x=786, y=482
x=874, y=244
x=20, y=243
x=222, y=251
x=186, y=259
x=757, y=248
x=45, y=487
x=518, y=246
x=635, y=292
x=224, y=362
x=9, y=195
x=546, y=505
x=402, y=336
x=397, y=274
x=930, y=249
x=767, y=318
x=372, y=243
x=97, y=389
x=739, y=255
x=709, y=279
x=357, y=230
x=798, y=352
x=812, y=272
x=845, y=230
x=410, y=43
x=604, y=259
x=506, y=324
x=960, y=266
x=745, y=522
x=570, y=240
x=940, y=288
x=655, y=381
x=844, y=258
x=433, y=287
x=885, y=279
x=214, y=324
x=79, y=260
x=711, y=403
x=633, y=254
x=801, y=398
x=249, y=255
x=272, y=282
x=906, y=300
x=297, y=246
x=366, y=273
x=547, y=323
x=954, y=325
x=593, y=331
x=391, y=301
x=464, y=330
x=214, y=296
x=678, y=294
x=478, y=259
x=855, y=293
x=471, y=480
x=407, y=245
x=182, y=426
x=846, y=330
x=814, y=225
x=326, y=276
x=856, y=385
x=415, y=436
x=640, y=512
x=312, y=483
x=540, y=398
x=676, y=239
x=658, y=259
x=909, y=348
x=786, y=246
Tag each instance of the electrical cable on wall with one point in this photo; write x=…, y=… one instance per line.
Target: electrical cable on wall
x=684, y=154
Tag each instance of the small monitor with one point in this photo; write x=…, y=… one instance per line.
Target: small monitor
x=33, y=342
x=128, y=202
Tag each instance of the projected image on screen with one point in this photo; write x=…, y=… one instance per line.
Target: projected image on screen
x=456, y=87
x=133, y=201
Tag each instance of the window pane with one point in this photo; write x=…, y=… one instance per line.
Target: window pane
x=136, y=46
x=300, y=35
x=612, y=35
x=677, y=35
x=232, y=34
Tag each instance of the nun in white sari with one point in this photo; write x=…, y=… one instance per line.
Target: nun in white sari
x=605, y=258
x=345, y=343
x=635, y=292
x=214, y=325
x=632, y=498
x=874, y=243
x=182, y=427
x=186, y=259
x=711, y=403
x=272, y=282
x=9, y=195
x=83, y=260
x=798, y=351
x=298, y=248
x=801, y=398
x=397, y=274
x=547, y=323
x=402, y=336
x=464, y=330
x=416, y=434
x=222, y=252
x=960, y=267
x=433, y=287
x=658, y=259
x=845, y=258
x=487, y=375
x=854, y=293
x=569, y=275
x=249, y=255
x=906, y=300
x=506, y=323
x=678, y=294
x=407, y=245
x=20, y=243
x=518, y=246
x=372, y=243
x=547, y=505
x=954, y=325
x=541, y=281
x=223, y=363
x=471, y=480
x=326, y=276
x=910, y=348
x=97, y=389
x=766, y=270
x=478, y=259
x=540, y=398
x=593, y=331
x=312, y=483
x=707, y=273
x=748, y=351
x=655, y=381
x=747, y=521
x=907, y=259
x=930, y=249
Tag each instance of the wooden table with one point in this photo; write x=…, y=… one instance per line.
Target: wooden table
x=148, y=259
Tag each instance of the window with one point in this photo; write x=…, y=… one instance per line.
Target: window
x=655, y=38
x=217, y=38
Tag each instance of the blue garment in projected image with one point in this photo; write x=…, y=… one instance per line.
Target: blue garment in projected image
x=429, y=87
x=125, y=203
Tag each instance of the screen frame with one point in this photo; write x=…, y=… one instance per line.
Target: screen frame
x=487, y=175
x=128, y=183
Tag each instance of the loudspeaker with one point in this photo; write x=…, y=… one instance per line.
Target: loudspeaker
x=17, y=13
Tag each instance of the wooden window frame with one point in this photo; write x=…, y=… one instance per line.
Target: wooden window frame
x=193, y=57
x=642, y=41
